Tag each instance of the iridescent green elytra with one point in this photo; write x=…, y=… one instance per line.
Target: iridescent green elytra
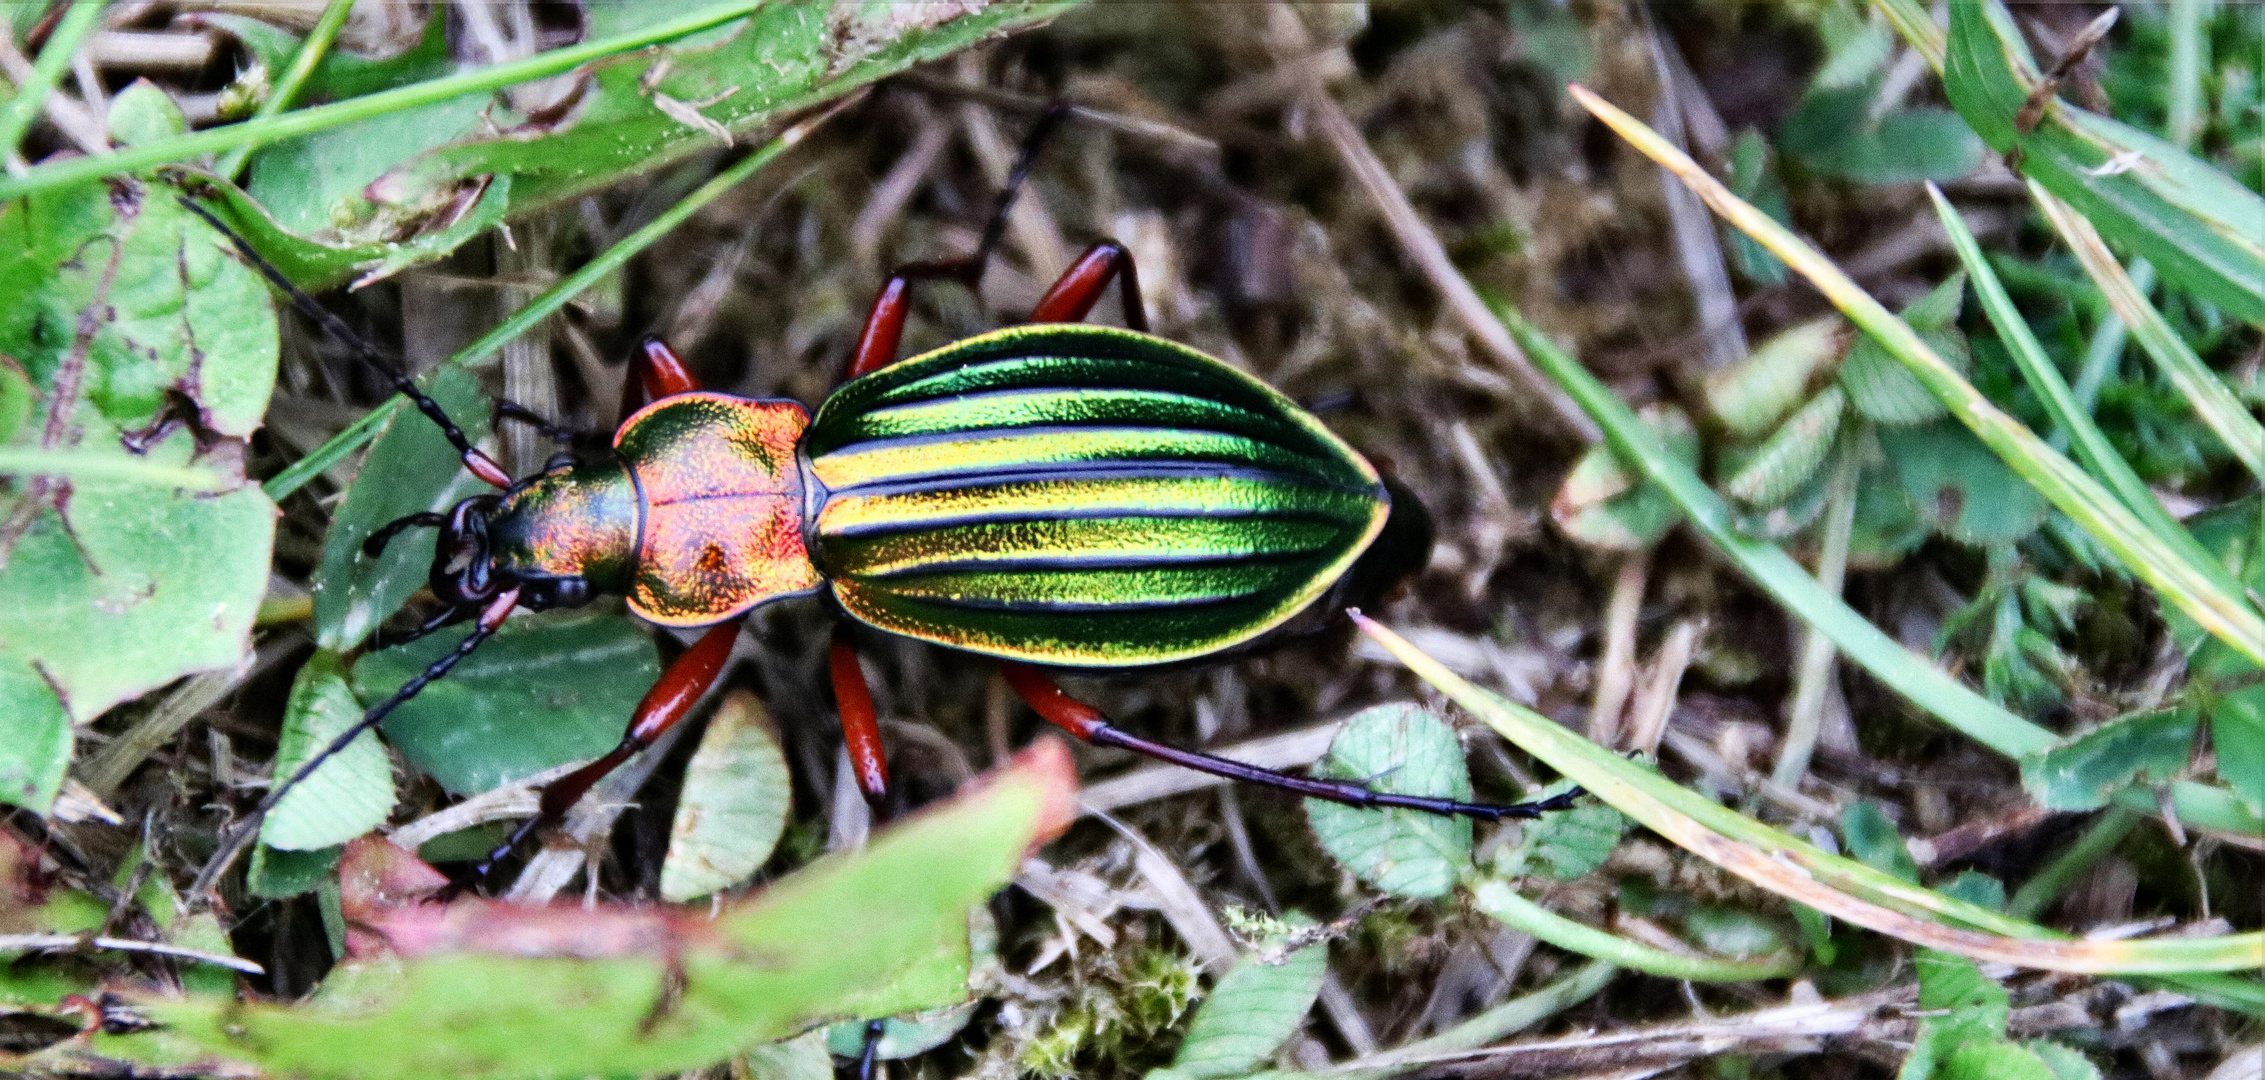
x=1077, y=494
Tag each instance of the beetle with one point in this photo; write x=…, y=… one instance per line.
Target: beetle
x=1056, y=494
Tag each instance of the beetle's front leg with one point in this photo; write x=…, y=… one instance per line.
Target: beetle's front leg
x=670, y=699
x=1087, y=723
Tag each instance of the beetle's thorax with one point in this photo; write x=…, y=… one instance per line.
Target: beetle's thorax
x=579, y=520
x=696, y=516
x=720, y=501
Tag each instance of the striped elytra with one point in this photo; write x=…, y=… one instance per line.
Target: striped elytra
x=1080, y=495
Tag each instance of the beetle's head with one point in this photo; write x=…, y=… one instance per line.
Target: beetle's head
x=470, y=567
x=474, y=559
x=463, y=572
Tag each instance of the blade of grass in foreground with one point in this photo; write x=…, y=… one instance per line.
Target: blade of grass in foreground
x=361, y=431
x=31, y=97
x=2211, y=398
x=2090, y=443
x=323, y=117
x=2160, y=564
x=1770, y=567
x=1801, y=872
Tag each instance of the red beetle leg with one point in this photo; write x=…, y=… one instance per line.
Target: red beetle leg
x=655, y=372
x=861, y=730
x=1081, y=286
x=665, y=704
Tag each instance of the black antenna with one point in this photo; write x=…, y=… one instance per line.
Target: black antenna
x=479, y=463
x=491, y=619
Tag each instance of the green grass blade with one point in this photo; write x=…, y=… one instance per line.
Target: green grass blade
x=2191, y=588
x=1497, y=899
x=1926, y=685
x=2091, y=445
x=31, y=97
x=311, y=51
x=2187, y=45
x=2105, y=348
x=2212, y=399
x=1799, y=871
x=361, y=431
x=257, y=132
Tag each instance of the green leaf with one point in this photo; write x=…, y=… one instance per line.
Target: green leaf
x=1565, y=845
x=1855, y=48
x=410, y=468
x=35, y=737
x=2066, y=1064
x=341, y=74
x=1601, y=502
x=372, y=196
x=144, y=112
x=1907, y=145
x=1956, y=985
x=1993, y=1060
x=1751, y=396
x=546, y=690
x=672, y=992
x=2085, y=770
x=124, y=317
x=1402, y=749
x=277, y=875
x=2237, y=731
x=801, y=1058
x=1254, y=1010
x=733, y=806
x=1791, y=455
x=1969, y=493
x=1731, y=932
x=1976, y=887
x=1755, y=180
x=1938, y=310
x=1886, y=391
x=348, y=795
x=1873, y=840
x=902, y=1036
x=313, y=185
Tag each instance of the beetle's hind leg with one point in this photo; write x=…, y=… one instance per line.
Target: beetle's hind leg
x=884, y=324
x=1087, y=723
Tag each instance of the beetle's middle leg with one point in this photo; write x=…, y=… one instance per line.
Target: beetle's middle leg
x=1087, y=723
x=671, y=697
x=861, y=730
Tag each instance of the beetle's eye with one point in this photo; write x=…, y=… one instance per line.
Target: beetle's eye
x=560, y=460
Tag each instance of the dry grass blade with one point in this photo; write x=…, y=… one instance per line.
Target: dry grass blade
x=13, y=942
x=1423, y=248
